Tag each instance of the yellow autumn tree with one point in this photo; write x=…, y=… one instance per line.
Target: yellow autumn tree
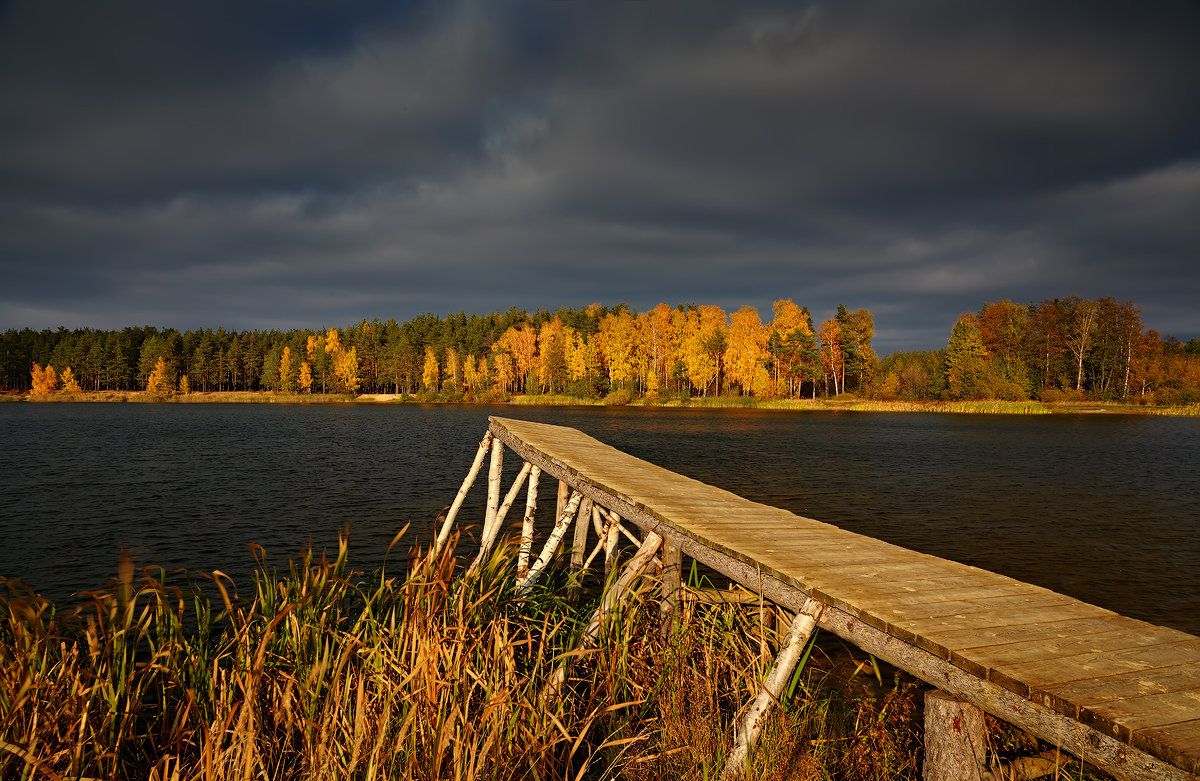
x=481, y=373
x=45, y=381
x=746, y=353
x=159, y=381
x=287, y=374
x=68, y=381
x=502, y=371
x=575, y=353
x=453, y=370
x=702, y=344
x=521, y=345
x=661, y=345
x=620, y=344
x=792, y=346
x=552, y=355
x=345, y=370
x=470, y=374
x=333, y=342
x=185, y=385
x=431, y=373
x=306, y=379
x=832, y=361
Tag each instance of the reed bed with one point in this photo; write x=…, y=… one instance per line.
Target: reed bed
x=553, y=400
x=961, y=407
x=429, y=674
x=1186, y=411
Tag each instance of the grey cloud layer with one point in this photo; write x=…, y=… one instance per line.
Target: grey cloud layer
x=207, y=166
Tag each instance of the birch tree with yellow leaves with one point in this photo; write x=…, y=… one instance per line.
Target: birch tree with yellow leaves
x=159, y=380
x=45, y=381
x=746, y=353
x=702, y=345
x=431, y=372
x=68, y=381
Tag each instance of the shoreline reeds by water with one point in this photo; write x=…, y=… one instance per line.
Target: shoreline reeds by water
x=428, y=674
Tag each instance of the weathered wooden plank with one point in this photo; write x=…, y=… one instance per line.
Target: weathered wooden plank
x=1120, y=636
x=993, y=640
x=1179, y=744
x=1124, y=686
x=1122, y=718
x=1038, y=675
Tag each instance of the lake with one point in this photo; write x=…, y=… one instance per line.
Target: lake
x=1105, y=508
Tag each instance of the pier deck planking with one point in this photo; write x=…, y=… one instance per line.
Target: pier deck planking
x=1125, y=678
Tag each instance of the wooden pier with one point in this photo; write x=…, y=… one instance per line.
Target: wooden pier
x=1119, y=693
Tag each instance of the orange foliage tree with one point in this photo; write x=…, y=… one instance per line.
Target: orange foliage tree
x=45, y=381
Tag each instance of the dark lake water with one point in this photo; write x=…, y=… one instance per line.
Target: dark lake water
x=1105, y=508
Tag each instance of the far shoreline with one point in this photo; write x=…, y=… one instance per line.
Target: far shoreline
x=847, y=403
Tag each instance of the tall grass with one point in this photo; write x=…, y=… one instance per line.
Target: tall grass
x=326, y=674
x=1186, y=410
x=553, y=399
x=993, y=407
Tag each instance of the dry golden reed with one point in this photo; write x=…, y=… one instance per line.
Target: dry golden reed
x=427, y=674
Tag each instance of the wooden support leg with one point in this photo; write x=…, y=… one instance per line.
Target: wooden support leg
x=955, y=743
x=612, y=597
x=564, y=493
x=491, y=529
x=672, y=578
x=612, y=536
x=556, y=537
x=526, y=549
x=578, y=549
x=462, y=494
x=747, y=732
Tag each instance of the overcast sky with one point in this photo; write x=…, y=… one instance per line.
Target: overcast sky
x=307, y=163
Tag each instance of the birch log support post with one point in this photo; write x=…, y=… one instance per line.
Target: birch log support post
x=494, y=471
x=564, y=492
x=611, y=538
x=611, y=599
x=579, y=550
x=793, y=644
x=555, y=539
x=491, y=530
x=526, y=548
x=955, y=741
x=672, y=579
x=448, y=524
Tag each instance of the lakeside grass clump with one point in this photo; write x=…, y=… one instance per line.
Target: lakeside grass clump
x=325, y=674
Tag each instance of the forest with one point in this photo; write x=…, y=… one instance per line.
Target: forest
x=1067, y=349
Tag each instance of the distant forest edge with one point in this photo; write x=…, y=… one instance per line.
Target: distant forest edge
x=1057, y=350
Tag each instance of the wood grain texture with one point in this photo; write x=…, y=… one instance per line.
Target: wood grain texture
x=1113, y=690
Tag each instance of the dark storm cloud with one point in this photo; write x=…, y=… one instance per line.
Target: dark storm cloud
x=261, y=165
